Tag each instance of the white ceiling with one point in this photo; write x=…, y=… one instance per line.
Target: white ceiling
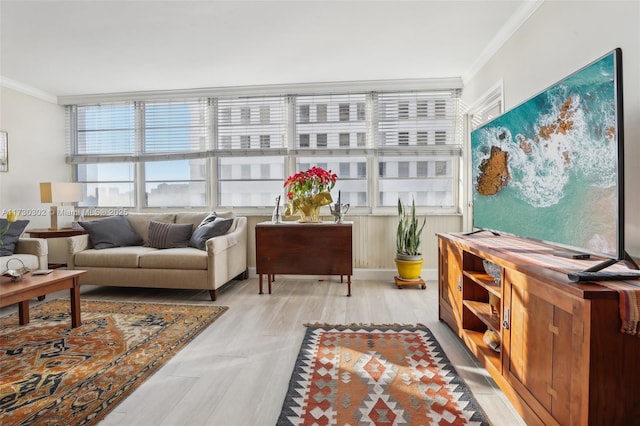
x=65, y=48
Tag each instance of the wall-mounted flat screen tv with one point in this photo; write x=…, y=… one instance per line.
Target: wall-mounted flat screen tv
x=551, y=169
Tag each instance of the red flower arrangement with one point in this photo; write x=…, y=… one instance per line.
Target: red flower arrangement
x=308, y=190
x=310, y=182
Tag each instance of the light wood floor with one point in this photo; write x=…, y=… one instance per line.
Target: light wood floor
x=236, y=372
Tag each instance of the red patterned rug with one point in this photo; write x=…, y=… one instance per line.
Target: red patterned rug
x=52, y=374
x=376, y=376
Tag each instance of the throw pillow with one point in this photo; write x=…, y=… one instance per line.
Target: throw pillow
x=164, y=235
x=210, y=218
x=11, y=237
x=219, y=226
x=112, y=231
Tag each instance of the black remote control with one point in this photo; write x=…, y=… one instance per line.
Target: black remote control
x=602, y=276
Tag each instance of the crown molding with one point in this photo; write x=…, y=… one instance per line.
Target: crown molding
x=27, y=90
x=511, y=26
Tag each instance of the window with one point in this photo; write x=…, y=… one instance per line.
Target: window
x=305, y=116
x=177, y=183
x=429, y=181
x=250, y=181
x=175, y=126
x=412, y=127
x=334, y=120
x=321, y=113
x=111, y=140
x=352, y=176
x=236, y=152
x=248, y=121
x=254, y=178
x=104, y=129
x=107, y=184
x=344, y=112
x=321, y=140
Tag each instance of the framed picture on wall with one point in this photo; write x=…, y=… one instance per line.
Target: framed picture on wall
x=4, y=151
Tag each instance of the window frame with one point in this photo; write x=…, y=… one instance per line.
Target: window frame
x=365, y=144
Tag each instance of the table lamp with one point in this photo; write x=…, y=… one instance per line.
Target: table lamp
x=59, y=192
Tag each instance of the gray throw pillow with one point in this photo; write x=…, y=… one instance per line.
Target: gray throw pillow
x=10, y=238
x=164, y=235
x=210, y=218
x=112, y=231
x=219, y=226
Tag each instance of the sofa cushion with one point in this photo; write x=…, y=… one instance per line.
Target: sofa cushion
x=219, y=226
x=168, y=235
x=117, y=257
x=112, y=231
x=10, y=238
x=140, y=221
x=178, y=258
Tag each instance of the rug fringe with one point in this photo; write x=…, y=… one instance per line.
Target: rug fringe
x=362, y=324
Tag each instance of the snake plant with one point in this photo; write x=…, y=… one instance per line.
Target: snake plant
x=409, y=230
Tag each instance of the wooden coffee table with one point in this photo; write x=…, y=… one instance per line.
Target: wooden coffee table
x=31, y=286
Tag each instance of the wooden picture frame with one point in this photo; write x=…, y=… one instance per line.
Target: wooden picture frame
x=4, y=151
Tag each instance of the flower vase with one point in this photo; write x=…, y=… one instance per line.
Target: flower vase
x=309, y=213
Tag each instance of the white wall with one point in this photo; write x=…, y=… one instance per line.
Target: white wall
x=558, y=39
x=36, y=131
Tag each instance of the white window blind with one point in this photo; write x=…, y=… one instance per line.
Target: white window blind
x=236, y=151
x=420, y=143
x=175, y=126
x=252, y=123
x=331, y=121
x=102, y=129
x=419, y=118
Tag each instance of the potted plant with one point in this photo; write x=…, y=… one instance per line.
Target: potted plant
x=309, y=190
x=408, y=258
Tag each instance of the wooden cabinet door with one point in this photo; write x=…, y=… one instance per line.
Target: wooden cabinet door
x=544, y=358
x=450, y=284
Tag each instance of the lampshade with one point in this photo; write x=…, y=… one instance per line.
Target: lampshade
x=60, y=192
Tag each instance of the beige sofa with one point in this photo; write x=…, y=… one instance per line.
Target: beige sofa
x=224, y=259
x=33, y=252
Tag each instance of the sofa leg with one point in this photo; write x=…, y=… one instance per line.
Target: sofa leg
x=243, y=275
x=212, y=293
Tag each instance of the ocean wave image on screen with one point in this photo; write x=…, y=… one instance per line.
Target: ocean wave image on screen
x=553, y=157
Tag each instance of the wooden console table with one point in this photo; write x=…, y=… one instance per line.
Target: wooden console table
x=563, y=359
x=304, y=249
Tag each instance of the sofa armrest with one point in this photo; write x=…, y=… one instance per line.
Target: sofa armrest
x=35, y=246
x=223, y=242
x=77, y=243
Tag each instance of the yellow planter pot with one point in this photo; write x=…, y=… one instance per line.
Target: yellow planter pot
x=409, y=269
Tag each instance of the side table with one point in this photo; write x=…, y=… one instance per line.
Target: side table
x=55, y=233
x=304, y=249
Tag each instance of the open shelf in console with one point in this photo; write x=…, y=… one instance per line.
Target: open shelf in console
x=481, y=306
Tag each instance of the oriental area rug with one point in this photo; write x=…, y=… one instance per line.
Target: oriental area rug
x=54, y=374
x=376, y=375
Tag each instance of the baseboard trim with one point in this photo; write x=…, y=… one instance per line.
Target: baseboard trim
x=369, y=274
